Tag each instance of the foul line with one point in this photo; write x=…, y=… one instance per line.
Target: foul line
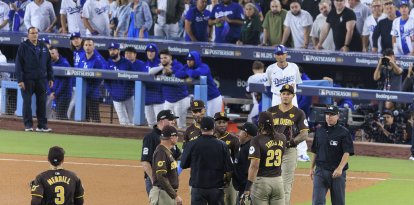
x=137, y=166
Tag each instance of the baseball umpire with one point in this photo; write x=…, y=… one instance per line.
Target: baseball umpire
x=290, y=121
x=164, y=190
x=332, y=146
x=57, y=185
x=264, y=182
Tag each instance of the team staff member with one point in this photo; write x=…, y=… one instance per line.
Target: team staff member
x=264, y=182
x=193, y=131
x=210, y=164
x=290, y=121
x=165, y=172
x=332, y=146
x=233, y=144
x=196, y=68
x=57, y=185
x=242, y=163
x=150, y=143
x=34, y=72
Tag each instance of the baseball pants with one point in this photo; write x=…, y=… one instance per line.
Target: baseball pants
x=289, y=163
x=72, y=104
x=213, y=196
x=214, y=106
x=322, y=182
x=151, y=112
x=276, y=100
x=158, y=196
x=230, y=194
x=125, y=111
x=166, y=30
x=37, y=87
x=254, y=112
x=180, y=109
x=302, y=149
x=49, y=111
x=268, y=191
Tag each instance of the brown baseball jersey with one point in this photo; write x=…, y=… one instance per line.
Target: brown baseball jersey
x=191, y=133
x=163, y=162
x=232, y=143
x=57, y=186
x=290, y=123
x=269, y=151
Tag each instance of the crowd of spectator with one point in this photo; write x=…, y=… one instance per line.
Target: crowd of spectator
x=346, y=25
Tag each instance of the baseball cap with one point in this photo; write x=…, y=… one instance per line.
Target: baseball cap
x=46, y=40
x=288, y=88
x=166, y=114
x=189, y=57
x=404, y=3
x=114, y=46
x=169, y=131
x=249, y=127
x=332, y=109
x=207, y=123
x=265, y=118
x=197, y=104
x=280, y=49
x=387, y=112
x=151, y=47
x=221, y=116
x=75, y=35
x=56, y=155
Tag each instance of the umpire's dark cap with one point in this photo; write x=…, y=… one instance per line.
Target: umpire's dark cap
x=207, y=123
x=332, y=109
x=288, y=88
x=249, y=128
x=166, y=114
x=221, y=116
x=265, y=118
x=197, y=105
x=169, y=131
x=56, y=155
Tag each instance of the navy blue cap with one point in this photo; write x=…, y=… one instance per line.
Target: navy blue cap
x=280, y=49
x=332, y=109
x=114, y=46
x=404, y=3
x=189, y=57
x=150, y=47
x=75, y=35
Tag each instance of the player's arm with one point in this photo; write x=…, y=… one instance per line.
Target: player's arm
x=302, y=124
x=253, y=170
x=36, y=192
x=147, y=169
x=313, y=164
x=300, y=137
x=146, y=156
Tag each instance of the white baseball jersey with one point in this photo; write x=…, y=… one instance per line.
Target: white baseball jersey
x=369, y=27
x=403, y=35
x=97, y=12
x=4, y=15
x=72, y=9
x=296, y=25
x=258, y=78
x=39, y=16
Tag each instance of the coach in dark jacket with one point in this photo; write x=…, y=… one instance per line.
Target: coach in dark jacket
x=33, y=70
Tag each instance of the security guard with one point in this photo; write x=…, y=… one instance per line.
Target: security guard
x=210, y=164
x=332, y=146
x=242, y=162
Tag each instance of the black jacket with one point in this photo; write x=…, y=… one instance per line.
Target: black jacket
x=241, y=167
x=33, y=62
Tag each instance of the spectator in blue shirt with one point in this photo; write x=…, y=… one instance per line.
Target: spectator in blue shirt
x=193, y=70
x=92, y=60
x=121, y=91
x=228, y=18
x=196, y=23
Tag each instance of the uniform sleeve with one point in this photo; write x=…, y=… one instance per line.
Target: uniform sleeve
x=347, y=143
x=302, y=122
x=254, y=150
x=37, y=189
x=314, y=147
x=159, y=163
x=213, y=13
x=189, y=16
x=86, y=10
x=268, y=75
x=79, y=193
x=186, y=156
x=147, y=149
x=298, y=79
x=179, y=71
x=49, y=68
x=160, y=167
x=202, y=70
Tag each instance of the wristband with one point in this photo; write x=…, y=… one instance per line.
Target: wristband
x=248, y=185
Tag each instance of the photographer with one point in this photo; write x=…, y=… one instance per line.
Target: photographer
x=389, y=131
x=388, y=73
x=408, y=84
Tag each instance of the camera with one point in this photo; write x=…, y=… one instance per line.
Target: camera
x=385, y=61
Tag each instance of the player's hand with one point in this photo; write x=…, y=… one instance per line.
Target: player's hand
x=337, y=173
x=178, y=200
x=245, y=198
x=311, y=173
x=21, y=86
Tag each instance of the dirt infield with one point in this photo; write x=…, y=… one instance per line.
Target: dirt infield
x=108, y=182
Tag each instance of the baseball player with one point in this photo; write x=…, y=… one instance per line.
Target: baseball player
x=193, y=131
x=290, y=121
x=95, y=15
x=121, y=91
x=258, y=77
x=165, y=186
x=57, y=185
x=281, y=73
x=194, y=69
x=233, y=144
x=264, y=182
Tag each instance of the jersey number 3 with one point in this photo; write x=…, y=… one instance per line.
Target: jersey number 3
x=60, y=195
x=274, y=158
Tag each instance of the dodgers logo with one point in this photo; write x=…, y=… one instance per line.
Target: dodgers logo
x=102, y=10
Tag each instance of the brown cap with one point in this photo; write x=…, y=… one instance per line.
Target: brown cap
x=221, y=116
x=265, y=118
x=197, y=104
x=288, y=87
x=168, y=131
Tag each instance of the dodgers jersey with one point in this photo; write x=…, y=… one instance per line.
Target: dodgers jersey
x=277, y=77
